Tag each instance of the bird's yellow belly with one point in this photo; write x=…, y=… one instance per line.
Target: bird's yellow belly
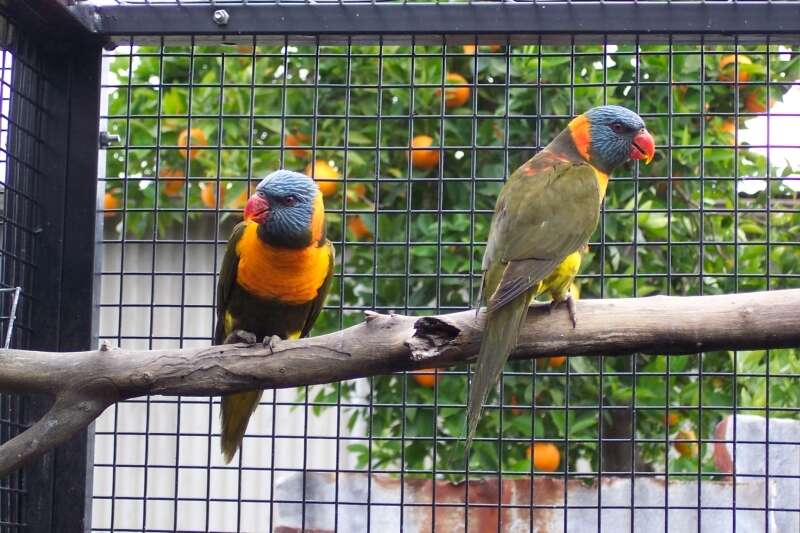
x=558, y=282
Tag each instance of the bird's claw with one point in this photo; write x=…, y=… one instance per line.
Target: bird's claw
x=570, y=301
x=270, y=342
x=240, y=336
x=571, y=309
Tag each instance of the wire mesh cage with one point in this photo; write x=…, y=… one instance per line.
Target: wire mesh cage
x=20, y=141
x=410, y=137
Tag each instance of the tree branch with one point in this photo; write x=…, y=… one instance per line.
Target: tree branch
x=69, y=415
x=85, y=383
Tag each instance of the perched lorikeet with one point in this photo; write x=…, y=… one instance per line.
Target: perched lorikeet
x=545, y=214
x=274, y=278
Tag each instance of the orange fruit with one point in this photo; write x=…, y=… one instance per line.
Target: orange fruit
x=727, y=68
x=359, y=190
x=558, y=360
x=198, y=139
x=425, y=377
x=110, y=202
x=455, y=96
x=422, y=156
x=359, y=228
x=728, y=126
x=753, y=102
x=470, y=48
x=672, y=418
x=323, y=171
x=172, y=186
x=297, y=139
x=687, y=449
x=241, y=199
x=545, y=456
x=208, y=196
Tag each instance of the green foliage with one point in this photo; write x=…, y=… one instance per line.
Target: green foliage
x=409, y=239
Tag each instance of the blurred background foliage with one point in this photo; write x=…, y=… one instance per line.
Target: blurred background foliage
x=410, y=147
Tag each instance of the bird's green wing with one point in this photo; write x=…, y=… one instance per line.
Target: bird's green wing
x=319, y=301
x=540, y=219
x=226, y=280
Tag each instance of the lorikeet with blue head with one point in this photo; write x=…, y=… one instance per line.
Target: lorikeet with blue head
x=543, y=218
x=276, y=272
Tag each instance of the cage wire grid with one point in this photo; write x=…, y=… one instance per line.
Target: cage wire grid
x=157, y=462
x=22, y=83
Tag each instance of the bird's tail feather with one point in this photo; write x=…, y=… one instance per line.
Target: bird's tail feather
x=500, y=334
x=235, y=414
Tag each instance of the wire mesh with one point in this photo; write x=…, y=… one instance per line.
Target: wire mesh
x=21, y=109
x=411, y=158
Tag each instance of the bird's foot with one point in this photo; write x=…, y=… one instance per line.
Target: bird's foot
x=571, y=308
x=240, y=336
x=270, y=343
x=570, y=301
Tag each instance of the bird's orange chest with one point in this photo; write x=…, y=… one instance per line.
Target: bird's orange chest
x=290, y=276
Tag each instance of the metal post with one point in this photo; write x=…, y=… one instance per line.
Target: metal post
x=56, y=90
x=60, y=485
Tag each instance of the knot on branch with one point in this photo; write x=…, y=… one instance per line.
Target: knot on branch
x=431, y=334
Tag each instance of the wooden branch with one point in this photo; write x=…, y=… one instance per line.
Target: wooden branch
x=68, y=415
x=85, y=383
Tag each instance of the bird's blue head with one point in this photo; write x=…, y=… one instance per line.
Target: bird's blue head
x=289, y=210
x=607, y=136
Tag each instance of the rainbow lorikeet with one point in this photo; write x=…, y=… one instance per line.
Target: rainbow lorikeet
x=277, y=270
x=545, y=214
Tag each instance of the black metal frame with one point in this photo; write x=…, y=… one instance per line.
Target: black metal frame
x=526, y=19
x=53, y=136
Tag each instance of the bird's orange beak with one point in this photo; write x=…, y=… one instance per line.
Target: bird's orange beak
x=257, y=209
x=643, y=146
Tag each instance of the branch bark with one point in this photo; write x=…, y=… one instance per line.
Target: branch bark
x=85, y=383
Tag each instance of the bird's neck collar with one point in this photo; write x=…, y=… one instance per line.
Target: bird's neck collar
x=568, y=146
x=580, y=131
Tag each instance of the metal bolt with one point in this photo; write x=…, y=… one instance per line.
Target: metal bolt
x=221, y=17
x=107, y=139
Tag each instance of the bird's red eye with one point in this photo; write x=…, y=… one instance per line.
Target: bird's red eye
x=289, y=201
x=618, y=127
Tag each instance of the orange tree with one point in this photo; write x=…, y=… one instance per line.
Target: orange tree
x=227, y=115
